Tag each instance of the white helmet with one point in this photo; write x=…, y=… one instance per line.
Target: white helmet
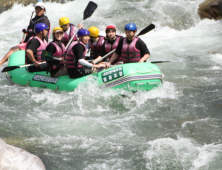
x=40, y=4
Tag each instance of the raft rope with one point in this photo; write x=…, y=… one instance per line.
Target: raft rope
x=131, y=74
x=139, y=73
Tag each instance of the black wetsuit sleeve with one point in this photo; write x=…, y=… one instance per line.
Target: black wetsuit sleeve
x=140, y=45
x=45, y=20
x=121, y=39
x=78, y=51
x=119, y=47
x=33, y=45
x=103, y=51
x=51, y=49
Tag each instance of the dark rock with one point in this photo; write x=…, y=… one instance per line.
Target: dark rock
x=211, y=9
x=8, y=4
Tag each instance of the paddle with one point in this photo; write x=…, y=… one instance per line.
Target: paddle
x=24, y=30
x=105, y=56
x=10, y=68
x=147, y=29
x=91, y=7
x=144, y=31
x=46, y=56
x=159, y=61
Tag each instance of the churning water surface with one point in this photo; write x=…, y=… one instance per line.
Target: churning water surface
x=177, y=126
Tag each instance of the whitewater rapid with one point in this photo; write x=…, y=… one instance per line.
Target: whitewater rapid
x=177, y=126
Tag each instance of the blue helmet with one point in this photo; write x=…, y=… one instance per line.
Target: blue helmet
x=131, y=27
x=83, y=32
x=40, y=27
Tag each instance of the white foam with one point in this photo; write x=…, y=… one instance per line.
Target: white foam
x=217, y=58
x=182, y=153
x=105, y=122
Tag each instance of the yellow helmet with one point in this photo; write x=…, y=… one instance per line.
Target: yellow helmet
x=56, y=29
x=64, y=21
x=94, y=31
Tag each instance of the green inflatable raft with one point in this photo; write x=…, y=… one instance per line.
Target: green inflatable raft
x=133, y=76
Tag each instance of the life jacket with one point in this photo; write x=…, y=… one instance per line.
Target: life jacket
x=109, y=47
x=22, y=46
x=70, y=57
x=96, y=47
x=39, y=50
x=60, y=53
x=66, y=37
x=129, y=52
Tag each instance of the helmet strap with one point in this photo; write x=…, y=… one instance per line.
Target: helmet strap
x=40, y=35
x=112, y=38
x=58, y=41
x=131, y=37
x=43, y=36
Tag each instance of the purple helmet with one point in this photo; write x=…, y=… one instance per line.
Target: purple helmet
x=83, y=32
x=40, y=27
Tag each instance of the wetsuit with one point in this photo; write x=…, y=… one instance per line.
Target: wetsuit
x=52, y=50
x=34, y=21
x=78, y=51
x=34, y=45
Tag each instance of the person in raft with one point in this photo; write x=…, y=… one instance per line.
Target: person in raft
x=69, y=30
x=75, y=54
x=39, y=18
x=35, y=46
x=131, y=48
x=111, y=42
x=96, y=42
x=57, y=49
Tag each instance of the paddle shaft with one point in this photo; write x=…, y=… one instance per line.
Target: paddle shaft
x=10, y=68
x=144, y=31
x=90, y=8
x=72, y=37
x=23, y=37
x=57, y=59
x=105, y=56
x=159, y=62
x=29, y=65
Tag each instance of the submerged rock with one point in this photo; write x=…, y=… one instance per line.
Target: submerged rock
x=18, y=159
x=211, y=9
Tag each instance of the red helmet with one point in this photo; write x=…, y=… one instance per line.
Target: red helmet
x=110, y=26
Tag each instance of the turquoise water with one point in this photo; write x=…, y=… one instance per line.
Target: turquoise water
x=174, y=127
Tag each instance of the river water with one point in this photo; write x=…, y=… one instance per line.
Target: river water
x=177, y=126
